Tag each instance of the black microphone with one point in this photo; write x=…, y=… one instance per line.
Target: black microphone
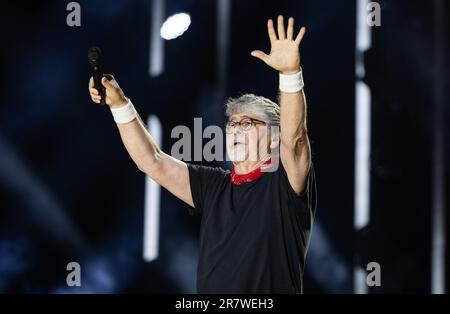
x=95, y=60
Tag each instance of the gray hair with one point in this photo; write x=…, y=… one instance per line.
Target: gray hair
x=263, y=108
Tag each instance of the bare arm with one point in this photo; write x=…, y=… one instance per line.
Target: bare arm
x=294, y=147
x=167, y=171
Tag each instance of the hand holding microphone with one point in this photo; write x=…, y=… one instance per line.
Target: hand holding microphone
x=103, y=89
x=114, y=96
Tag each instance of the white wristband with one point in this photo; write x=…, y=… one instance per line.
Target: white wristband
x=291, y=83
x=124, y=114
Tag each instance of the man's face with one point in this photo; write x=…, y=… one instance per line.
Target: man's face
x=246, y=138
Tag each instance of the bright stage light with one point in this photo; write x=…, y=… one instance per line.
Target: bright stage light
x=175, y=26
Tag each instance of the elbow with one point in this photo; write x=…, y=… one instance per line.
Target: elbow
x=295, y=139
x=150, y=165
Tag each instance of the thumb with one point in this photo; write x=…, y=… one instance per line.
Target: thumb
x=107, y=84
x=260, y=55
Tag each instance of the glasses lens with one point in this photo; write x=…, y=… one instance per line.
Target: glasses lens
x=246, y=124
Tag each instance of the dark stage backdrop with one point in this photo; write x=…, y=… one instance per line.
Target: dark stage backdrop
x=69, y=192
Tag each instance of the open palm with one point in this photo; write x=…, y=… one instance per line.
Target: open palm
x=284, y=52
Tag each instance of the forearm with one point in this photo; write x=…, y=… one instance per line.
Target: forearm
x=295, y=146
x=140, y=145
x=293, y=117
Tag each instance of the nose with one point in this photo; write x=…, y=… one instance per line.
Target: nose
x=236, y=130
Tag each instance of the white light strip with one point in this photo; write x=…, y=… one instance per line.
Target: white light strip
x=438, y=184
x=152, y=201
x=362, y=136
x=359, y=281
x=156, y=49
x=362, y=155
x=363, y=36
x=222, y=44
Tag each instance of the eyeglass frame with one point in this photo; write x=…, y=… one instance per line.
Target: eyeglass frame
x=252, y=125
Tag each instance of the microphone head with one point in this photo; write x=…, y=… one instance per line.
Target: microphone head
x=95, y=56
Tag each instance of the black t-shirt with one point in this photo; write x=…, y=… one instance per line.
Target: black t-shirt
x=253, y=237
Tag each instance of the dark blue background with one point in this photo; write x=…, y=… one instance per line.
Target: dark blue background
x=70, y=192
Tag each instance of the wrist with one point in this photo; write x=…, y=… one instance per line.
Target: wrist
x=125, y=113
x=122, y=102
x=291, y=71
x=291, y=83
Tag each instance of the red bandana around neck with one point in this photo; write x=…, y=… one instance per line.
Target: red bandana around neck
x=239, y=179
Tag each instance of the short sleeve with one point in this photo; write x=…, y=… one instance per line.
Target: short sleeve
x=308, y=197
x=204, y=183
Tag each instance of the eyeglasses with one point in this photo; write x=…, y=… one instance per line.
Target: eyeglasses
x=245, y=124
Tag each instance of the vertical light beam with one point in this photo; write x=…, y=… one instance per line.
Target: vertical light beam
x=362, y=136
x=156, y=49
x=223, y=39
x=438, y=158
x=152, y=201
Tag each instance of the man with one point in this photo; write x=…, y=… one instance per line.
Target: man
x=256, y=223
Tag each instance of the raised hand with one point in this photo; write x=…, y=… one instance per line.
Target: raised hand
x=284, y=51
x=114, y=94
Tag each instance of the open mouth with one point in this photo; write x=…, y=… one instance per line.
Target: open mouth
x=238, y=142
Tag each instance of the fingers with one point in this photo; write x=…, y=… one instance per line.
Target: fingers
x=281, y=33
x=281, y=30
x=300, y=35
x=260, y=55
x=95, y=97
x=271, y=31
x=290, y=30
x=93, y=91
